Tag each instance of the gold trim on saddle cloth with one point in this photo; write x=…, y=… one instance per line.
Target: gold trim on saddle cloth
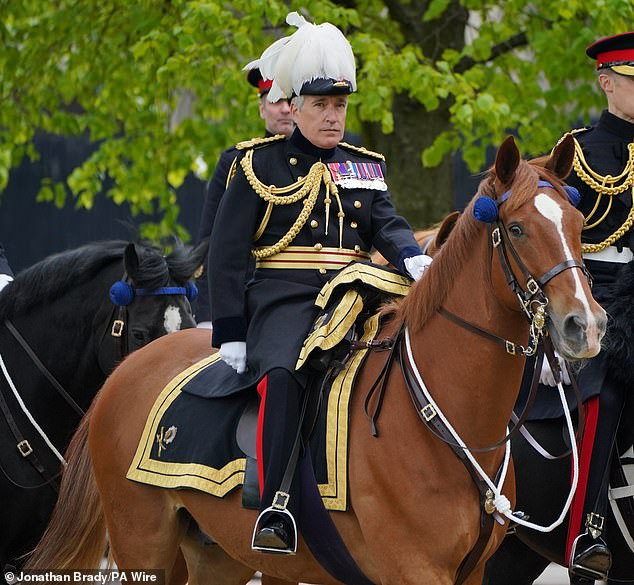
x=375, y=276
x=307, y=257
x=335, y=492
x=329, y=333
x=180, y=475
x=219, y=482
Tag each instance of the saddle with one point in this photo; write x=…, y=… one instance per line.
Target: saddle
x=199, y=402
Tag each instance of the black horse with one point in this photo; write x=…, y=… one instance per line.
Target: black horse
x=543, y=485
x=60, y=336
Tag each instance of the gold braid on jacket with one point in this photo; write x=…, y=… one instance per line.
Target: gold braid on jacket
x=605, y=186
x=306, y=188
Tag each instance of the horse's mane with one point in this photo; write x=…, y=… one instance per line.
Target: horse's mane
x=428, y=295
x=55, y=275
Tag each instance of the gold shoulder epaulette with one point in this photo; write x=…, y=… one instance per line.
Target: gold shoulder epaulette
x=361, y=150
x=576, y=130
x=255, y=142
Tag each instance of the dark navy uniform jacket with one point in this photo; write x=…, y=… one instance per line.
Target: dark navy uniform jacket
x=275, y=310
x=605, y=149
x=4, y=264
x=215, y=190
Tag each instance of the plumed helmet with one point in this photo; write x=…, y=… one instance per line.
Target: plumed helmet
x=314, y=60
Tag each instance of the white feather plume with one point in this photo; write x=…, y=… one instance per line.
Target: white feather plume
x=311, y=52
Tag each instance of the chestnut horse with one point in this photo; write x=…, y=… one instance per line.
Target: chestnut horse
x=414, y=511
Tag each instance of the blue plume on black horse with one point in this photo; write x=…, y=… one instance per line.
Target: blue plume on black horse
x=58, y=313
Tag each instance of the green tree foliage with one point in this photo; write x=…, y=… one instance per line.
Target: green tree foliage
x=156, y=84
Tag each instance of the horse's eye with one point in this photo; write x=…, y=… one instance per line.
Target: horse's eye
x=515, y=230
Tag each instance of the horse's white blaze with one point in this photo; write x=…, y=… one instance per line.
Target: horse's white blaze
x=552, y=211
x=172, y=320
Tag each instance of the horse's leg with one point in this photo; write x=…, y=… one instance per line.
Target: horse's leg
x=514, y=563
x=179, y=571
x=147, y=534
x=475, y=577
x=208, y=563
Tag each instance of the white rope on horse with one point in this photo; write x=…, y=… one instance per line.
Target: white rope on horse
x=500, y=501
x=28, y=414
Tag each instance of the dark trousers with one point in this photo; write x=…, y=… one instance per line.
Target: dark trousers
x=281, y=399
x=595, y=498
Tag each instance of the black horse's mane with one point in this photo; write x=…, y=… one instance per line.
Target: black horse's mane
x=55, y=275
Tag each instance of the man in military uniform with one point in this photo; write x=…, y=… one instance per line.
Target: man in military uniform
x=277, y=120
x=6, y=275
x=304, y=207
x=604, y=175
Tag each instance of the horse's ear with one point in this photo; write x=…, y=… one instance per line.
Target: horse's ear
x=131, y=260
x=199, y=256
x=445, y=228
x=507, y=160
x=560, y=160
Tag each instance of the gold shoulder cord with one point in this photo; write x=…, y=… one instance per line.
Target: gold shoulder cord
x=307, y=187
x=362, y=150
x=605, y=186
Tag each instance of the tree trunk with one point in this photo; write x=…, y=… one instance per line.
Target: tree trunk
x=422, y=195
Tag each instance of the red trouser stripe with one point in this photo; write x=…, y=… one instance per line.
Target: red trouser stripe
x=262, y=386
x=585, y=444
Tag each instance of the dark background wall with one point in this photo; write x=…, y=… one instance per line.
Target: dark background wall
x=30, y=231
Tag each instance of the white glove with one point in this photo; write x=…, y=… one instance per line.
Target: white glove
x=416, y=265
x=203, y=325
x=547, y=377
x=4, y=280
x=234, y=354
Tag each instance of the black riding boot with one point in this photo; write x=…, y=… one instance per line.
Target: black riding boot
x=275, y=529
x=590, y=557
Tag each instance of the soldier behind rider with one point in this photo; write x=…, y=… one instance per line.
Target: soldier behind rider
x=604, y=175
x=304, y=207
x=277, y=120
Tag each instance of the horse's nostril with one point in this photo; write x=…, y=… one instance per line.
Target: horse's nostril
x=574, y=325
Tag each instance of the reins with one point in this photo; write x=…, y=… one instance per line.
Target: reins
x=533, y=303
x=118, y=330
x=43, y=369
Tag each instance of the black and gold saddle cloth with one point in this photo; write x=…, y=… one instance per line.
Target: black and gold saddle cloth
x=200, y=439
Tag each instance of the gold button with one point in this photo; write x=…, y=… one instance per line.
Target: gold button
x=318, y=246
x=357, y=248
x=292, y=160
x=353, y=224
x=314, y=224
x=322, y=271
x=357, y=204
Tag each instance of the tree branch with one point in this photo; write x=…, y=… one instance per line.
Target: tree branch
x=518, y=40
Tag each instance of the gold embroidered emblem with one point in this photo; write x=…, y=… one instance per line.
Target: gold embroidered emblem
x=164, y=438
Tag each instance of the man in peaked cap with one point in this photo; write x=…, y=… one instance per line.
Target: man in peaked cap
x=304, y=207
x=277, y=120
x=603, y=155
